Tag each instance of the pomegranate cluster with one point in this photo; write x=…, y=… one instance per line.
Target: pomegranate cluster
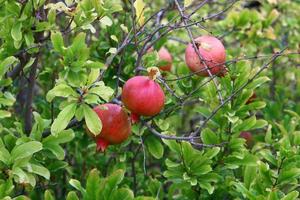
x=143, y=96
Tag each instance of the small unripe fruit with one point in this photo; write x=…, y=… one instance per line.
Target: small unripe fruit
x=116, y=126
x=143, y=96
x=251, y=99
x=248, y=137
x=164, y=55
x=213, y=53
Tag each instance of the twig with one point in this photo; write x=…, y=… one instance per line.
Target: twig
x=214, y=112
x=29, y=97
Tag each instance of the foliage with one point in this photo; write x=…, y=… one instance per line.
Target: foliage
x=58, y=59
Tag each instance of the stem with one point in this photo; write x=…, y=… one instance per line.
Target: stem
x=29, y=97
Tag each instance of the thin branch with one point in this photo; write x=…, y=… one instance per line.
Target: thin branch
x=214, y=112
x=29, y=97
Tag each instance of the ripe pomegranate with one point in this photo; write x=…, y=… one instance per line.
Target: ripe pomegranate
x=212, y=51
x=116, y=126
x=251, y=99
x=164, y=55
x=248, y=137
x=143, y=96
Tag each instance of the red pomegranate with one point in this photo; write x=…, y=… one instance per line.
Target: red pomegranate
x=248, y=137
x=164, y=55
x=116, y=126
x=212, y=51
x=143, y=96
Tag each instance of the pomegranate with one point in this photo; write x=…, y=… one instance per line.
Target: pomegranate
x=116, y=126
x=164, y=55
x=251, y=99
x=213, y=53
x=143, y=96
x=248, y=137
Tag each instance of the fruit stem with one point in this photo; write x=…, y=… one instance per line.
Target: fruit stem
x=153, y=72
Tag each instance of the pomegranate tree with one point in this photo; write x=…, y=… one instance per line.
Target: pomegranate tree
x=143, y=96
x=164, y=55
x=213, y=53
x=116, y=126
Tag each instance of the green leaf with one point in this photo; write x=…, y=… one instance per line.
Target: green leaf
x=4, y=114
x=57, y=150
x=61, y=90
x=23, y=177
x=209, y=137
x=79, y=113
x=102, y=91
x=6, y=188
x=112, y=182
x=4, y=155
x=210, y=189
x=72, y=196
x=122, y=194
x=212, y=152
x=93, y=76
x=51, y=16
x=26, y=150
x=21, y=197
x=16, y=32
x=288, y=175
x=237, y=160
x=92, y=185
x=79, y=47
x=94, y=65
x=58, y=42
x=48, y=195
x=77, y=185
x=258, y=82
x=249, y=175
x=29, y=39
x=38, y=169
x=39, y=126
x=273, y=195
x=155, y=147
x=57, y=165
x=243, y=191
x=173, y=145
x=92, y=120
x=291, y=196
x=63, y=118
x=62, y=137
x=267, y=154
x=260, y=124
x=6, y=63
x=246, y=125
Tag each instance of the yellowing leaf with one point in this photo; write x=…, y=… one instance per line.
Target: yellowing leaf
x=139, y=6
x=124, y=28
x=270, y=34
x=187, y=3
x=272, y=1
x=274, y=14
x=60, y=6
